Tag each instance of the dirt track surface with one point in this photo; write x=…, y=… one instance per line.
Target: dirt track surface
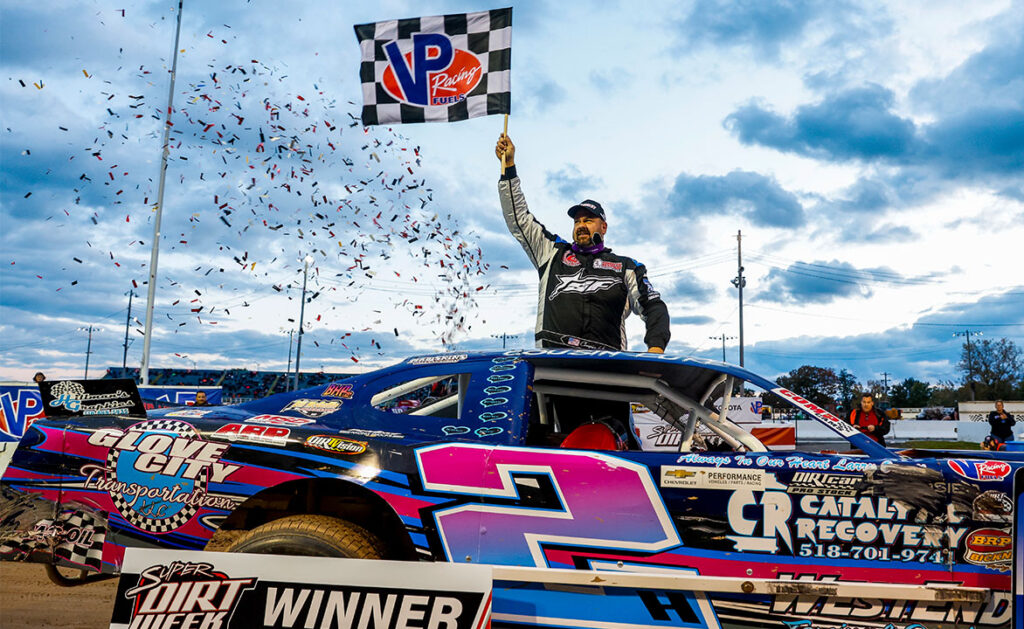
x=28, y=600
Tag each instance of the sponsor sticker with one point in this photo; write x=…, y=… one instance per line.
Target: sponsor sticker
x=272, y=435
x=279, y=420
x=189, y=412
x=570, y=259
x=339, y=445
x=439, y=359
x=343, y=391
x=980, y=470
x=581, y=284
x=704, y=478
x=434, y=73
x=823, y=484
x=607, y=266
x=993, y=506
x=176, y=589
x=313, y=408
x=157, y=473
x=372, y=434
x=992, y=548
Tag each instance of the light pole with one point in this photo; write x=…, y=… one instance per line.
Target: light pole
x=723, y=337
x=739, y=282
x=302, y=313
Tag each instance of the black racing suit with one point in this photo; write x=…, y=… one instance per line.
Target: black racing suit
x=584, y=298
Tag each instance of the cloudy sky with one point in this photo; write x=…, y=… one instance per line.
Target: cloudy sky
x=871, y=154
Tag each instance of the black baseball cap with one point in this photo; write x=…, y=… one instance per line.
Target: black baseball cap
x=591, y=206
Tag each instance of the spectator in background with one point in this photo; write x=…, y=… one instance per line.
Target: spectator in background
x=39, y=377
x=869, y=421
x=201, y=399
x=1002, y=425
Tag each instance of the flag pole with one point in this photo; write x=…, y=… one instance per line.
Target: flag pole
x=504, y=133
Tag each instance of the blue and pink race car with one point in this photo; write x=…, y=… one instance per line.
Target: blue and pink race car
x=526, y=460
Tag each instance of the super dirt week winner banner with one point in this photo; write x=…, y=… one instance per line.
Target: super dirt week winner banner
x=164, y=589
x=442, y=68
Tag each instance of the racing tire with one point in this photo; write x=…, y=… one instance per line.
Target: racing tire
x=310, y=536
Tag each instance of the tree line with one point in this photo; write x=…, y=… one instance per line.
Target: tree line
x=991, y=369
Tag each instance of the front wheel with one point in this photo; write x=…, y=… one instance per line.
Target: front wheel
x=310, y=536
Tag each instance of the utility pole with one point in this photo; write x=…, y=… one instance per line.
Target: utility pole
x=127, y=322
x=504, y=337
x=724, y=337
x=885, y=384
x=739, y=282
x=970, y=361
x=88, y=348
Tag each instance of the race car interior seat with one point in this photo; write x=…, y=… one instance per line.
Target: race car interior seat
x=593, y=436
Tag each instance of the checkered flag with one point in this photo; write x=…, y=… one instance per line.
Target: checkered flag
x=442, y=68
x=83, y=539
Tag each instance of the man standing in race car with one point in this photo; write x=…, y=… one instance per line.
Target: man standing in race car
x=586, y=291
x=869, y=420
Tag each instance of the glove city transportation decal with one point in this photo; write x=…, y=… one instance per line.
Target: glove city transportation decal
x=157, y=473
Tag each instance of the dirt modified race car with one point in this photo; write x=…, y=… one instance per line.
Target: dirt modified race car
x=524, y=460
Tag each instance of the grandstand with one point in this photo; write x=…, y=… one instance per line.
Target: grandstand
x=237, y=384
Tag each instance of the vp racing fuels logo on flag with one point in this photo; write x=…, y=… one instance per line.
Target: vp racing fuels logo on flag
x=580, y=283
x=434, y=73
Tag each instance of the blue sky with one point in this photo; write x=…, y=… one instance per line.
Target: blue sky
x=872, y=154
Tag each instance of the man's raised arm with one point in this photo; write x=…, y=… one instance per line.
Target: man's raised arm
x=537, y=241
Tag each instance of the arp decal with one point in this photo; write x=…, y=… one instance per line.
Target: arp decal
x=343, y=391
x=157, y=473
x=313, y=408
x=992, y=548
x=980, y=470
x=254, y=433
x=189, y=593
x=279, y=420
x=629, y=515
x=340, y=445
